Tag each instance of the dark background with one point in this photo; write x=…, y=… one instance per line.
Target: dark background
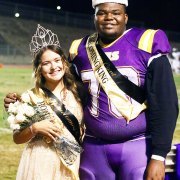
x=164, y=14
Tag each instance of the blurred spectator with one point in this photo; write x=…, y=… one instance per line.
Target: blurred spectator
x=174, y=59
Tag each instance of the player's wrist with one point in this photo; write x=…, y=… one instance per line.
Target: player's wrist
x=157, y=157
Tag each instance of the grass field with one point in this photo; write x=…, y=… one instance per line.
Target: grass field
x=13, y=79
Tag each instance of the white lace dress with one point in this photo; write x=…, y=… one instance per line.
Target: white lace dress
x=41, y=161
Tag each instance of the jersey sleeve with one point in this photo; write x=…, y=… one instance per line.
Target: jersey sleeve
x=73, y=51
x=160, y=44
x=154, y=42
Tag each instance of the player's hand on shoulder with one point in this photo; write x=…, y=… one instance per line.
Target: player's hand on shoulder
x=10, y=98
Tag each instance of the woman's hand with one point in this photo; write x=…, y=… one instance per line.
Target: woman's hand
x=47, y=128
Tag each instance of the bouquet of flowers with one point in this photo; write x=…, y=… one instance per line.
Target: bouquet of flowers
x=30, y=109
x=21, y=113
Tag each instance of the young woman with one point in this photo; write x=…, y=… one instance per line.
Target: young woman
x=53, y=141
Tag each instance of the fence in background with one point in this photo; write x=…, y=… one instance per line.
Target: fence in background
x=46, y=15
x=59, y=17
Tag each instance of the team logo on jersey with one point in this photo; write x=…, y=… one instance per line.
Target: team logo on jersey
x=113, y=56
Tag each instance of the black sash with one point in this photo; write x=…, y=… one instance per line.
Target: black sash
x=131, y=89
x=68, y=119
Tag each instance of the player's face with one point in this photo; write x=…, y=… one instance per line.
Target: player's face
x=110, y=20
x=52, y=67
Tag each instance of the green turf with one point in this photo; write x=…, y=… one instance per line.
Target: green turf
x=13, y=80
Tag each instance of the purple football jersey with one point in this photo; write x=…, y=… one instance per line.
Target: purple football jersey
x=101, y=117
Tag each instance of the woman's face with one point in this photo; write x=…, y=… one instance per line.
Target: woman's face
x=52, y=67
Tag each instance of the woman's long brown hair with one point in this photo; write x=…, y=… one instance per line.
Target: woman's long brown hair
x=68, y=78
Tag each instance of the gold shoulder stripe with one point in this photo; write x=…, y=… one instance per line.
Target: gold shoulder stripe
x=73, y=51
x=146, y=40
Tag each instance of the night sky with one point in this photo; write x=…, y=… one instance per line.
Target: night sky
x=163, y=14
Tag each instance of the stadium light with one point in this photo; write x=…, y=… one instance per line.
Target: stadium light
x=16, y=15
x=58, y=7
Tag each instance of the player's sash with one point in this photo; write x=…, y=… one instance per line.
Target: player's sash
x=119, y=98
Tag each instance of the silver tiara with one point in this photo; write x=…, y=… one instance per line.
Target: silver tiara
x=42, y=38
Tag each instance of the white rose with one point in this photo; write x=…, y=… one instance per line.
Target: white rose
x=15, y=126
x=29, y=111
x=12, y=108
x=11, y=119
x=20, y=118
x=21, y=109
x=26, y=98
x=17, y=103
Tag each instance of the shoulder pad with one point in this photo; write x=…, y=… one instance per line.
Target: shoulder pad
x=154, y=42
x=73, y=51
x=146, y=40
x=133, y=35
x=150, y=40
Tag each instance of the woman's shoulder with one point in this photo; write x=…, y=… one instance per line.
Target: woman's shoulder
x=31, y=96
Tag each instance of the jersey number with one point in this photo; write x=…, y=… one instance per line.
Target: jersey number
x=94, y=89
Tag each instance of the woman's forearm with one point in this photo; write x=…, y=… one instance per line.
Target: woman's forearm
x=23, y=136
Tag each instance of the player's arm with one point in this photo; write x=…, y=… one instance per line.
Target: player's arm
x=163, y=112
x=163, y=105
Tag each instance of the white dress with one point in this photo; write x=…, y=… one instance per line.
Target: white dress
x=41, y=161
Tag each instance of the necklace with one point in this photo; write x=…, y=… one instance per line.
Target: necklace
x=63, y=95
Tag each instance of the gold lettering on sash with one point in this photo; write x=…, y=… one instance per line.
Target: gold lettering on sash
x=104, y=75
x=97, y=65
